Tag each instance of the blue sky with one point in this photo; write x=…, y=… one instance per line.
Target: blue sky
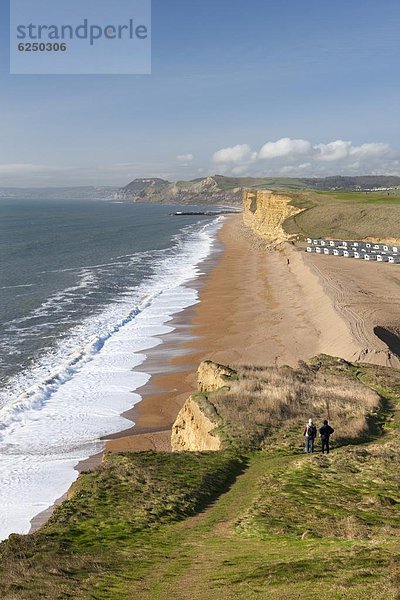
x=263, y=87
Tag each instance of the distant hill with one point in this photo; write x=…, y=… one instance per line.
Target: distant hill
x=138, y=185
x=218, y=189
x=209, y=190
x=364, y=182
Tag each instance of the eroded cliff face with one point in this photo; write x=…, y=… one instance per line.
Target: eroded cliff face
x=192, y=430
x=195, y=427
x=265, y=212
x=211, y=376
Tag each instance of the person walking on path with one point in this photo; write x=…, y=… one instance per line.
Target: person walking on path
x=310, y=433
x=325, y=433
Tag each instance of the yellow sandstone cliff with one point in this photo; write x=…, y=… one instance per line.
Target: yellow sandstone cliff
x=265, y=211
x=211, y=376
x=192, y=430
x=195, y=427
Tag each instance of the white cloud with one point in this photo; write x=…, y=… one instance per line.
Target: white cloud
x=185, y=157
x=371, y=150
x=333, y=151
x=239, y=170
x=282, y=156
x=285, y=147
x=234, y=154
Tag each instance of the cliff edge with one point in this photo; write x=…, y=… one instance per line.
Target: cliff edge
x=265, y=211
x=195, y=426
x=212, y=376
x=254, y=405
x=193, y=429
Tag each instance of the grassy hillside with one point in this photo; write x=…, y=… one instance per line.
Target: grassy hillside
x=107, y=535
x=259, y=182
x=258, y=524
x=266, y=404
x=225, y=190
x=347, y=215
x=391, y=198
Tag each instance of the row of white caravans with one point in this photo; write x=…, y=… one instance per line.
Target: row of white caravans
x=363, y=254
x=370, y=246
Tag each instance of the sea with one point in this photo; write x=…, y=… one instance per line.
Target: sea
x=86, y=290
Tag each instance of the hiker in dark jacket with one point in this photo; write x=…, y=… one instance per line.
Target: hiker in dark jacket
x=310, y=433
x=325, y=433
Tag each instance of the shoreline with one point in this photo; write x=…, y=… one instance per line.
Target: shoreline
x=172, y=366
x=257, y=307
x=249, y=313
x=156, y=362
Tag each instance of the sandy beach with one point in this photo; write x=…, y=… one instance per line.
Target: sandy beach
x=260, y=307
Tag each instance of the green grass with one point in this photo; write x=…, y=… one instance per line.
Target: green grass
x=391, y=197
x=346, y=215
x=106, y=528
x=274, y=524
x=265, y=406
x=261, y=183
x=349, y=495
x=184, y=184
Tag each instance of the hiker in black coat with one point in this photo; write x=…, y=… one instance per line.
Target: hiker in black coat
x=310, y=433
x=325, y=433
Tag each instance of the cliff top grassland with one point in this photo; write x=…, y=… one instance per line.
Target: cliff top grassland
x=277, y=215
x=237, y=523
x=270, y=404
x=346, y=215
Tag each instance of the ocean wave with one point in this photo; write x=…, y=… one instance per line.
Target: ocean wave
x=53, y=415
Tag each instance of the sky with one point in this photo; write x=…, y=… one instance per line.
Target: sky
x=262, y=87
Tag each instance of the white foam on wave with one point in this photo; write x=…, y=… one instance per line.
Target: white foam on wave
x=78, y=393
x=12, y=287
x=55, y=304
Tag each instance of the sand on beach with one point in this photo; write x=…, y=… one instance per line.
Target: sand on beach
x=263, y=307
x=260, y=307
